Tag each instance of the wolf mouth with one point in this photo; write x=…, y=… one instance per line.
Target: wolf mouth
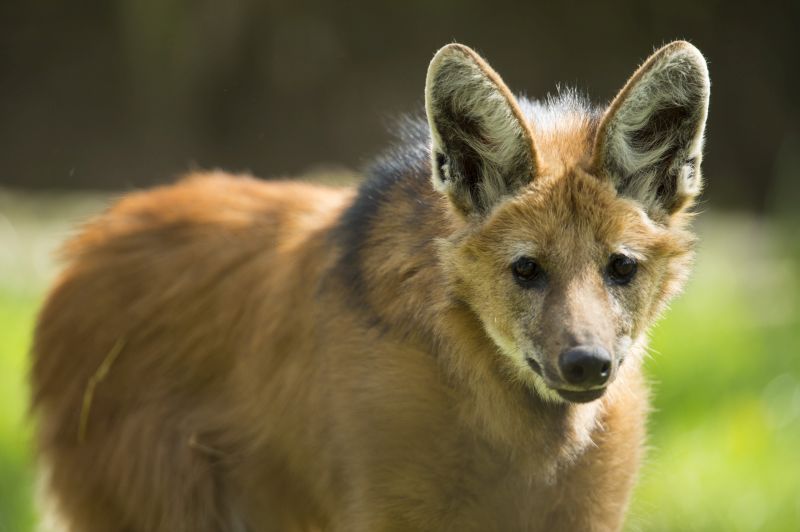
x=535, y=366
x=586, y=396
x=573, y=396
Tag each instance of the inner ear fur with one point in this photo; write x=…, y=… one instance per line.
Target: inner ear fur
x=650, y=140
x=481, y=147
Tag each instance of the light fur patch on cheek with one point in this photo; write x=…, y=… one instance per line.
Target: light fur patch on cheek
x=622, y=347
x=525, y=374
x=544, y=391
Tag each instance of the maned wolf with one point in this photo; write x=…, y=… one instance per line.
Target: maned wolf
x=455, y=346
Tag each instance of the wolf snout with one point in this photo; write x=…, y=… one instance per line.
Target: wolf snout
x=585, y=366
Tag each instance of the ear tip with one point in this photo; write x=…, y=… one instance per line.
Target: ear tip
x=449, y=54
x=687, y=57
x=454, y=47
x=686, y=50
x=452, y=51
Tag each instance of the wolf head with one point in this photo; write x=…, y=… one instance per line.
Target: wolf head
x=572, y=220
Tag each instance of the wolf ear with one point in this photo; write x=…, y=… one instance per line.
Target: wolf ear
x=650, y=140
x=481, y=148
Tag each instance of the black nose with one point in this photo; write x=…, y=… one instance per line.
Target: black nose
x=585, y=365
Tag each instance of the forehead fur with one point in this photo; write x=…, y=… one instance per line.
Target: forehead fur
x=571, y=213
x=563, y=128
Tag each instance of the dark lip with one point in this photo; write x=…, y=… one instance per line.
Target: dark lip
x=535, y=366
x=586, y=396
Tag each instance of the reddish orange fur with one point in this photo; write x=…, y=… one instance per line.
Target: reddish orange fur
x=252, y=392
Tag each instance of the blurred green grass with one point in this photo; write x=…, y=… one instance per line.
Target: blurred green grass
x=725, y=430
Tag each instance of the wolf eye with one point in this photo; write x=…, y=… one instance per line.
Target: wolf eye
x=621, y=269
x=527, y=272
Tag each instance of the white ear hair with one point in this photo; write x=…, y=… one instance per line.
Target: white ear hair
x=650, y=140
x=481, y=148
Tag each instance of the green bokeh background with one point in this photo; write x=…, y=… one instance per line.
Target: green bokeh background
x=725, y=371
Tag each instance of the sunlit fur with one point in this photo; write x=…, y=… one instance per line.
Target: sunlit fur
x=278, y=356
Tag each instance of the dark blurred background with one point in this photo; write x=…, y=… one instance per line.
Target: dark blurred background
x=120, y=94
